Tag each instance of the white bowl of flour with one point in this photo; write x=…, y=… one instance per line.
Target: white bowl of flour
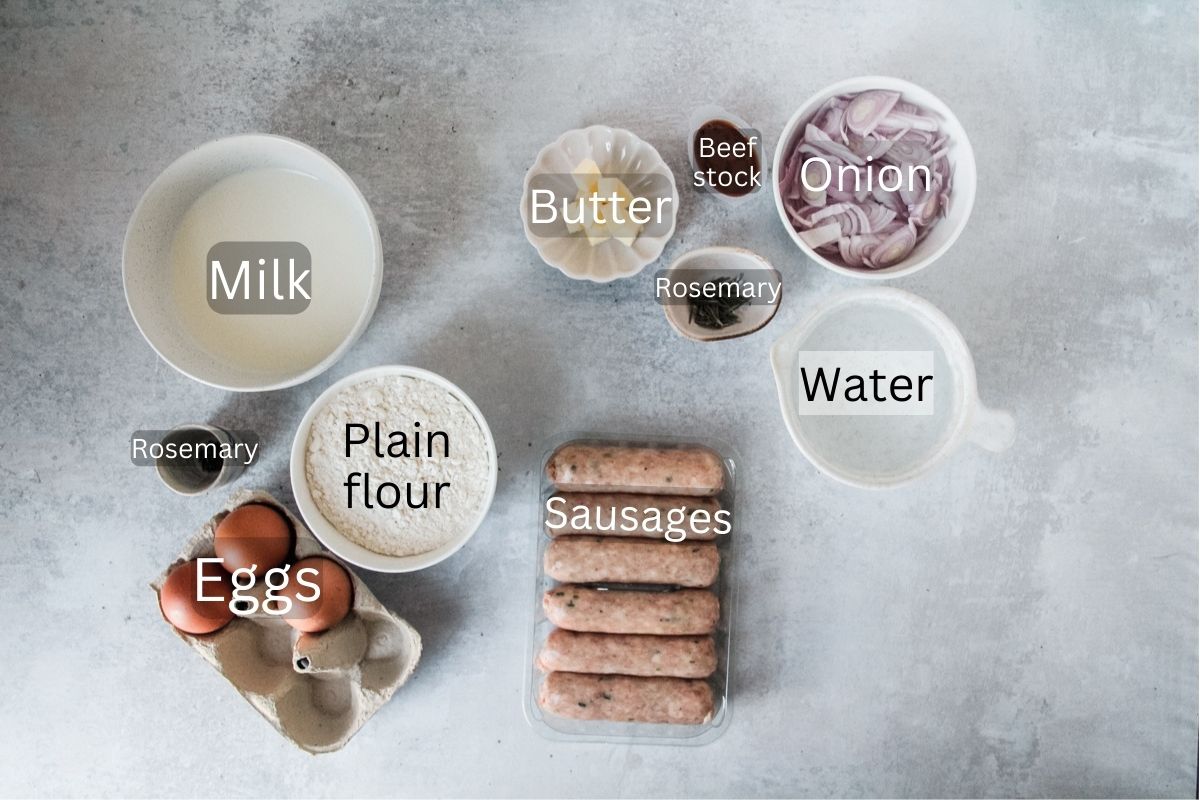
x=393, y=468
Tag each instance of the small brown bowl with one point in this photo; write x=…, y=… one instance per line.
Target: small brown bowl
x=731, y=262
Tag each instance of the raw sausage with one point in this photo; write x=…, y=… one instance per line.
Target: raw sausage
x=628, y=654
x=621, y=698
x=654, y=514
x=600, y=559
x=641, y=470
x=684, y=612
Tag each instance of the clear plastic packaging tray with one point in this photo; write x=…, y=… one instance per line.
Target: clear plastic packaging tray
x=564, y=729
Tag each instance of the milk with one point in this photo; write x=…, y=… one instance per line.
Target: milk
x=275, y=205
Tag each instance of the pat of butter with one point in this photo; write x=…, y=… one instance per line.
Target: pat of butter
x=602, y=201
x=595, y=231
x=586, y=176
x=608, y=187
x=625, y=232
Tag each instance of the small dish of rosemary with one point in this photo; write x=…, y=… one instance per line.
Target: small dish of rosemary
x=712, y=294
x=717, y=307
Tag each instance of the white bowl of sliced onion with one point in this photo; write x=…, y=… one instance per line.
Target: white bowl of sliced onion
x=874, y=177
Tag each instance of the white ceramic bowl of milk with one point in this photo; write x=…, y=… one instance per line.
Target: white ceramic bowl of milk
x=876, y=452
x=251, y=188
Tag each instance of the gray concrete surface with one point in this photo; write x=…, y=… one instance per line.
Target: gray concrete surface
x=1022, y=624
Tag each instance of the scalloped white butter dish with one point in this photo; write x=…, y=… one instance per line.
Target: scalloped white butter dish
x=616, y=152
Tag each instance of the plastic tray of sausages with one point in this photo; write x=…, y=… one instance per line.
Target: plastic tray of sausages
x=633, y=602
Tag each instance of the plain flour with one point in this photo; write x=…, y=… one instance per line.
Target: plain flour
x=396, y=403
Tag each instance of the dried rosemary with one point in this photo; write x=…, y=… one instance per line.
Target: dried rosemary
x=717, y=307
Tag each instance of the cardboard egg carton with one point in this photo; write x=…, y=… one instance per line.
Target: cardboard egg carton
x=316, y=689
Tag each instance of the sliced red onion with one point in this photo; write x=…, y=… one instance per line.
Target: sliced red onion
x=827, y=212
x=905, y=152
x=831, y=123
x=849, y=256
x=895, y=248
x=819, y=237
x=877, y=216
x=896, y=203
x=818, y=138
x=814, y=174
x=926, y=208
x=815, y=152
x=899, y=119
x=869, y=148
x=837, y=195
x=854, y=250
x=798, y=219
x=868, y=108
x=789, y=185
x=860, y=223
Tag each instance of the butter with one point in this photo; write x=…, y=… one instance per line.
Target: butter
x=603, y=207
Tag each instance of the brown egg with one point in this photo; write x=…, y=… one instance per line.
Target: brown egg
x=333, y=603
x=179, y=605
x=253, y=536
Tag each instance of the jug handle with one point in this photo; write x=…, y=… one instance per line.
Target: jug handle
x=992, y=429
